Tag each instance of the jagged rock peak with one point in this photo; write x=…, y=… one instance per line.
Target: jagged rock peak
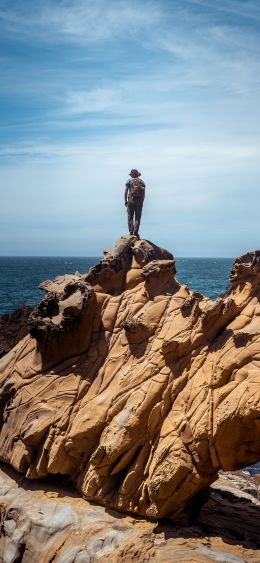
x=121, y=268
x=245, y=267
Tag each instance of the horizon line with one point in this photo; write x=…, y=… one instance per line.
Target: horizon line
x=99, y=257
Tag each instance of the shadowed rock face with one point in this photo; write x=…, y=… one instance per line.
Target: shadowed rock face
x=13, y=327
x=133, y=385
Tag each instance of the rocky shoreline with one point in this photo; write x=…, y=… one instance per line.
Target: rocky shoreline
x=140, y=394
x=47, y=521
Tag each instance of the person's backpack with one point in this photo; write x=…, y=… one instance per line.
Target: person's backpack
x=137, y=188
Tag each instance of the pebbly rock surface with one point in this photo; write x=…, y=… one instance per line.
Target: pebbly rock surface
x=135, y=387
x=46, y=522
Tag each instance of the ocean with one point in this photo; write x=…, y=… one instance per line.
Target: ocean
x=20, y=276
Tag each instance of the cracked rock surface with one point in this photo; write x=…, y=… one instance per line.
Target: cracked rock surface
x=137, y=388
x=44, y=521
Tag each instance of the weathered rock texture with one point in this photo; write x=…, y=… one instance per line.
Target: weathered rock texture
x=13, y=327
x=137, y=388
x=46, y=522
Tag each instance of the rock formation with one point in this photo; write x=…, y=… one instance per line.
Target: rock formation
x=45, y=522
x=13, y=327
x=137, y=388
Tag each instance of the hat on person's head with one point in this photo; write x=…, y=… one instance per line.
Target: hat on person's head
x=134, y=171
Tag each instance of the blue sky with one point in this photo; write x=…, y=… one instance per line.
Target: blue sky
x=92, y=88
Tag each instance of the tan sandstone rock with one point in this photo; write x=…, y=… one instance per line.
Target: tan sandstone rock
x=46, y=522
x=136, y=387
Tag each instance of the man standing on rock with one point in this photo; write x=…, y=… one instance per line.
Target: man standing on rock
x=134, y=198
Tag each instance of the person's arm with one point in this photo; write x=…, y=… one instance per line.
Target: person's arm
x=126, y=194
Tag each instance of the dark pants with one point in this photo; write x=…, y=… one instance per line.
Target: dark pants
x=134, y=210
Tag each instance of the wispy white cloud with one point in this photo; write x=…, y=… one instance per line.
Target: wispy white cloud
x=79, y=20
x=96, y=20
x=94, y=101
x=197, y=191
x=99, y=87
x=244, y=8
x=164, y=143
x=202, y=55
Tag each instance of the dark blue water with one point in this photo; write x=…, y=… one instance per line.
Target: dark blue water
x=252, y=469
x=209, y=276
x=20, y=277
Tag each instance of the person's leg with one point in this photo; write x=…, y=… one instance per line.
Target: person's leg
x=130, y=213
x=138, y=206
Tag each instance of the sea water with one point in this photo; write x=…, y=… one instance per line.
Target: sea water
x=21, y=276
